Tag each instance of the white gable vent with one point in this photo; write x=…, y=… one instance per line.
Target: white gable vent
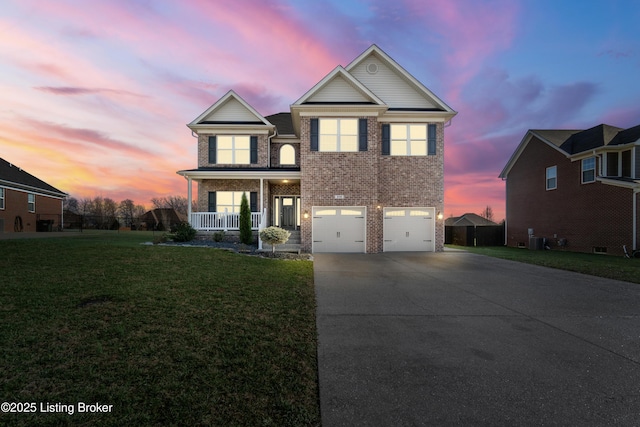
x=372, y=68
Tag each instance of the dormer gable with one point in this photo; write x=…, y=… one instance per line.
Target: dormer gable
x=231, y=109
x=339, y=87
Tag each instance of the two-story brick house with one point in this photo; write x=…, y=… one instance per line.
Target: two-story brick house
x=578, y=189
x=27, y=203
x=356, y=165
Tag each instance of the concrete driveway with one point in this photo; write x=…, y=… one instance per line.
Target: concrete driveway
x=456, y=338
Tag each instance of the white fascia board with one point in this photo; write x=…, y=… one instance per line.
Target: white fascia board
x=635, y=185
x=28, y=189
x=235, y=129
x=415, y=117
x=231, y=174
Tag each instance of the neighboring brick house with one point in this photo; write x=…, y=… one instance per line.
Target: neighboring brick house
x=357, y=165
x=27, y=203
x=578, y=189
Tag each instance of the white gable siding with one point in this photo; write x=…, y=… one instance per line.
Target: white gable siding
x=389, y=86
x=338, y=90
x=231, y=111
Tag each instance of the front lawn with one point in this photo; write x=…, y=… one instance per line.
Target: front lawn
x=612, y=267
x=166, y=335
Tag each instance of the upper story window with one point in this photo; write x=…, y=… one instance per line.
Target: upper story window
x=338, y=135
x=409, y=139
x=31, y=202
x=1, y=198
x=233, y=149
x=552, y=178
x=588, y=170
x=287, y=155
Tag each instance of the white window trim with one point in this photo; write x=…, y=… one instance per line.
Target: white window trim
x=233, y=150
x=408, y=140
x=339, y=136
x=29, y=203
x=583, y=170
x=546, y=176
x=2, y=198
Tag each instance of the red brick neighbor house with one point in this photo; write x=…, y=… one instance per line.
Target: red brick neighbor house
x=576, y=189
x=27, y=203
x=356, y=165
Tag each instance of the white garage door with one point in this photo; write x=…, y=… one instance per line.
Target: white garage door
x=339, y=229
x=409, y=229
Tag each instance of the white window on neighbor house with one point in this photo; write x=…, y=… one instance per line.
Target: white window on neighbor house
x=233, y=150
x=338, y=135
x=229, y=200
x=31, y=202
x=588, y=170
x=287, y=155
x=552, y=178
x=408, y=140
x=1, y=198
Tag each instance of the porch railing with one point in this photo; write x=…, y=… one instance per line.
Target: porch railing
x=212, y=221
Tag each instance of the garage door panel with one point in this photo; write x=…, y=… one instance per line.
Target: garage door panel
x=339, y=229
x=408, y=229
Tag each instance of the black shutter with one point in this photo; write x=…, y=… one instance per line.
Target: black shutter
x=314, y=134
x=212, y=201
x=212, y=150
x=254, y=149
x=362, y=135
x=431, y=147
x=253, y=201
x=386, y=140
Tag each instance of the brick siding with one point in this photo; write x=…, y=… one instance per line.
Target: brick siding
x=586, y=215
x=16, y=204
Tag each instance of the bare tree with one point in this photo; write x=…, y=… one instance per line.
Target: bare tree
x=178, y=203
x=487, y=213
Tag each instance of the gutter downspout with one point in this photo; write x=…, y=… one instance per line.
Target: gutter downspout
x=635, y=219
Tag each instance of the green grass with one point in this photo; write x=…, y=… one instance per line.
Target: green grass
x=612, y=267
x=167, y=335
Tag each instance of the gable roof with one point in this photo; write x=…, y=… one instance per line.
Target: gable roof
x=13, y=176
x=366, y=67
x=469, y=219
x=339, y=83
x=575, y=143
x=231, y=109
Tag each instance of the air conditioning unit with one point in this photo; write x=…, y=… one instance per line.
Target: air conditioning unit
x=536, y=243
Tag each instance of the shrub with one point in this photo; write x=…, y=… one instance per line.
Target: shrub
x=274, y=236
x=218, y=236
x=246, y=235
x=184, y=233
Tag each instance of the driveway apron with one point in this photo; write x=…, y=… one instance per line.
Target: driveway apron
x=453, y=338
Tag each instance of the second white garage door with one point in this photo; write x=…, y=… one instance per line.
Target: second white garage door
x=339, y=229
x=409, y=229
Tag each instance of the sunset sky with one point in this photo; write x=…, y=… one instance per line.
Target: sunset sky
x=96, y=94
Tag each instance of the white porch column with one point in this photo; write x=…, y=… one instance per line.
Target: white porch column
x=261, y=195
x=189, y=200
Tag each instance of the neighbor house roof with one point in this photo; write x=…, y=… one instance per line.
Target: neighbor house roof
x=14, y=176
x=576, y=143
x=469, y=219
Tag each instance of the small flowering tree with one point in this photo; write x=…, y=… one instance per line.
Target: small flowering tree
x=274, y=236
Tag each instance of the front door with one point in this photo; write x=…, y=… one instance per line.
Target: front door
x=287, y=212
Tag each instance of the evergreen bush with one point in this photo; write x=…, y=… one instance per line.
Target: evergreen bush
x=246, y=235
